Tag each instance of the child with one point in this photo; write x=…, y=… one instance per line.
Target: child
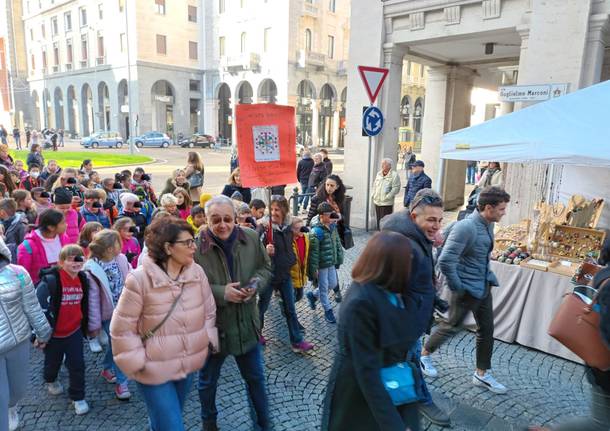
x=21, y=173
x=63, y=296
x=74, y=221
x=32, y=179
x=257, y=207
x=107, y=270
x=25, y=206
x=147, y=208
x=184, y=203
x=197, y=218
x=244, y=216
x=86, y=235
x=300, y=245
x=131, y=247
x=42, y=199
x=325, y=253
x=93, y=210
x=14, y=224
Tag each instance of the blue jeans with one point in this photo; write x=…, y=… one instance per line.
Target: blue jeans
x=304, y=199
x=414, y=355
x=327, y=279
x=250, y=366
x=470, y=174
x=290, y=313
x=108, y=362
x=164, y=403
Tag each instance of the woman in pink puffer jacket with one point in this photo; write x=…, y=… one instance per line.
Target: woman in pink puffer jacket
x=164, y=322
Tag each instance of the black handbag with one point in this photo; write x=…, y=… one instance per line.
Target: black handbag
x=347, y=239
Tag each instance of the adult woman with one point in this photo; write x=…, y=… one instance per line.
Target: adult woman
x=5, y=158
x=107, y=269
x=178, y=179
x=164, y=321
x=183, y=202
x=235, y=186
x=332, y=191
x=35, y=156
x=492, y=176
x=41, y=247
x=7, y=185
x=194, y=174
x=168, y=203
x=279, y=247
x=87, y=167
x=374, y=333
x=19, y=314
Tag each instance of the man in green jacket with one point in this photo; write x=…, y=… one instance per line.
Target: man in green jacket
x=237, y=265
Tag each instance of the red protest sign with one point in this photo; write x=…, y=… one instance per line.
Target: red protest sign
x=266, y=143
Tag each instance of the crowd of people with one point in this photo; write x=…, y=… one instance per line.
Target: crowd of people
x=168, y=286
x=49, y=138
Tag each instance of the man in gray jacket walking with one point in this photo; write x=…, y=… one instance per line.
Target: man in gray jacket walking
x=465, y=263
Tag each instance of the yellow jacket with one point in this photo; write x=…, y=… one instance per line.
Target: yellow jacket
x=298, y=272
x=189, y=220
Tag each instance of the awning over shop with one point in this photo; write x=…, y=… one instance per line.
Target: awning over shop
x=571, y=130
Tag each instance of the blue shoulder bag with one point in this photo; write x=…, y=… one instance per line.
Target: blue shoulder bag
x=399, y=379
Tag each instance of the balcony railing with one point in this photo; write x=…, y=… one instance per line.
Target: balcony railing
x=246, y=61
x=342, y=68
x=100, y=60
x=310, y=9
x=68, y=67
x=84, y=63
x=55, y=68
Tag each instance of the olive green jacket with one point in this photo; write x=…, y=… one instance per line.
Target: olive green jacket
x=238, y=324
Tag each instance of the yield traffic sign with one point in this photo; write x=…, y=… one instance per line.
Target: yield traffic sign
x=372, y=121
x=372, y=78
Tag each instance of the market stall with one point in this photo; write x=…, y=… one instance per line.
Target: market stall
x=538, y=260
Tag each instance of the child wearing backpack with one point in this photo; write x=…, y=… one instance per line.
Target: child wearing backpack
x=300, y=246
x=326, y=254
x=63, y=295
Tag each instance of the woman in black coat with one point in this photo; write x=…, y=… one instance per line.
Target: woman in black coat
x=374, y=333
x=235, y=186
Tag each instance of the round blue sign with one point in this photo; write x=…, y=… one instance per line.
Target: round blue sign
x=372, y=121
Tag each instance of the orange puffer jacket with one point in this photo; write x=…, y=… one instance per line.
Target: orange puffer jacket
x=180, y=346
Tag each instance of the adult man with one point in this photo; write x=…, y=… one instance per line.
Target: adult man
x=52, y=168
x=17, y=137
x=465, y=263
x=418, y=181
x=420, y=224
x=304, y=168
x=385, y=189
x=236, y=265
x=3, y=134
x=327, y=163
x=318, y=172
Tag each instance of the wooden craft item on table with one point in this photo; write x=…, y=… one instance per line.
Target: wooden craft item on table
x=584, y=213
x=574, y=243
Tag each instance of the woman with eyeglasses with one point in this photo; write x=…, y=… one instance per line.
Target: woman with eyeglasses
x=165, y=322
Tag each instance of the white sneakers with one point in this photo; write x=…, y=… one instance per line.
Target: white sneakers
x=103, y=338
x=487, y=381
x=81, y=407
x=13, y=419
x=427, y=367
x=55, y=388
x=95, y=345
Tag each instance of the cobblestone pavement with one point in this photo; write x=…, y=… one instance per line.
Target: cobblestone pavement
x=543, y=389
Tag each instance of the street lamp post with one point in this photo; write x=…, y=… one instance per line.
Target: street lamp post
x=130, y=94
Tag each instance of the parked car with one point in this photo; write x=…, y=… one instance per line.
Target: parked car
x=198, y=140
x=103, y=139
x=153, y=139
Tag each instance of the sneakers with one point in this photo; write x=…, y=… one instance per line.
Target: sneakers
x=434, y=414
x=262, y=341
x=94, y=345
x=121, y=391
x=103, y=338
x=330, y=316
x=427, y=367
x=108, y=375
x=13, y=418
x=487, y=381
x=338, y=295
x=55, y=388
x=312, y=300
x=302, y=347
x=81, y=407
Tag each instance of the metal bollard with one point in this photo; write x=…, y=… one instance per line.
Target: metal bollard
x=295, y=201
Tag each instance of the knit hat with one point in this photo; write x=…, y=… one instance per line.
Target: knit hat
x=237, y=196
x=62, y=196
x=128, y=197
x=204, y=198
x=325, y=208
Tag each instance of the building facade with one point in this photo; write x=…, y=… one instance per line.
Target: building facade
x=467, y=44
x=87, y=59
x=412, y=100
x=290, y=52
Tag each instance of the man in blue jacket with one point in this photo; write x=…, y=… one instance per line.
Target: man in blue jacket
x=417, y=181
x=465, y=263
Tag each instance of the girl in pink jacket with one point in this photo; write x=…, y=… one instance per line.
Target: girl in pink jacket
x=74, y=221
x=130, y=245
x=40, y=248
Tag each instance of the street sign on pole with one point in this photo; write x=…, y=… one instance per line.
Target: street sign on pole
x=372, y=121
x=373, y=79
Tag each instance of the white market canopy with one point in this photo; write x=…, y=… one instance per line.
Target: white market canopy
x=571, y=130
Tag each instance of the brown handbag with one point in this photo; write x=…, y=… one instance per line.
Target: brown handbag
x=576, y=326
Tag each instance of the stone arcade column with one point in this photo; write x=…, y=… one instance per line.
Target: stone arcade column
x=315, y=122
x=447, y=108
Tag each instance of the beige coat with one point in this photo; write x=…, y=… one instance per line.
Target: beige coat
x=180, y=346
x=385, y=188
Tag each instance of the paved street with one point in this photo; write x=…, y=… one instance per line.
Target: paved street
x=542, y=389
